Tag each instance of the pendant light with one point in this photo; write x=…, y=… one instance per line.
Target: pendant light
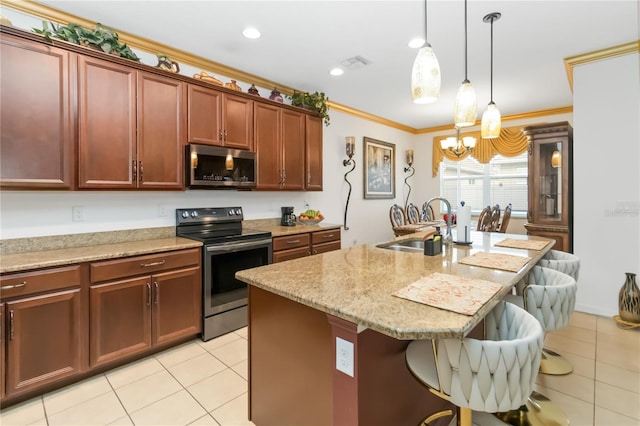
x=491, y=120
x=425, y=75
x=466, y=105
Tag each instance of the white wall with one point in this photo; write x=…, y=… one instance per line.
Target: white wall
x=606, y=179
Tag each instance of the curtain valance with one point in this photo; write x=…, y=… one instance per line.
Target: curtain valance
x=511, y=142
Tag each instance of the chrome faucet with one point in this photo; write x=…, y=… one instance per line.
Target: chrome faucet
x=448, y=239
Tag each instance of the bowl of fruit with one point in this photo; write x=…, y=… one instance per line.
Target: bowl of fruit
x=310, y=217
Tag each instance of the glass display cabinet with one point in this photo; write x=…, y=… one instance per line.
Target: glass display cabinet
x=550, y=212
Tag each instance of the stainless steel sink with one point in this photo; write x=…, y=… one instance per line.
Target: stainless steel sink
x=414, y=245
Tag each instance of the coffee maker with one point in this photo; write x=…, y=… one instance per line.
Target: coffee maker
x=288, y=218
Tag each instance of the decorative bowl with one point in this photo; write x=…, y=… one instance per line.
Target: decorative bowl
x=309, y=222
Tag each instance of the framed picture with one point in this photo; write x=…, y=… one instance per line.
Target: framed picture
x=380, y=169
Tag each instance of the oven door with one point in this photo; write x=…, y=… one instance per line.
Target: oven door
x=222, y=291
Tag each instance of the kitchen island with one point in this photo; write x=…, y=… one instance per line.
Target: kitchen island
x=298, y=310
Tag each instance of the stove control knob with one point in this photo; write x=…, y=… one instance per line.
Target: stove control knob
x=185, y=214
x=231, y=212
x=238, y=212
x=194, y=214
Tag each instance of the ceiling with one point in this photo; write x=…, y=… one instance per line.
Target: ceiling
x=302, y=40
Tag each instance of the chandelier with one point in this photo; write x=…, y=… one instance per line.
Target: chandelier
x=458, y=146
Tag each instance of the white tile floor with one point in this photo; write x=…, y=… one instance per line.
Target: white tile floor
x=205, y=383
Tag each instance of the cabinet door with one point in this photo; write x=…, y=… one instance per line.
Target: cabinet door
x=106, y=124
x=36, y=140
x=161, y=132
x=43, y=341
x=204, y=116
x=120, y=319
x=268, y=148
x=281, y=256
x=2, y=351
x=177, y=305
x=237, y=119
x=293, y=141
x=313, y=153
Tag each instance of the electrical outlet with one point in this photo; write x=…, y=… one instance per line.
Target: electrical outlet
x=344, y=356
x=162, y=210
x=77, y=213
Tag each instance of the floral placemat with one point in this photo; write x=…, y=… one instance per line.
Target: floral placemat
x=523, y=244
x=505, y=262
x=450, y=292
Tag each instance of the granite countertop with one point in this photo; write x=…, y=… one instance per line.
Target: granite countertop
x=356, y=283
x=22, y=254
x=273, y=226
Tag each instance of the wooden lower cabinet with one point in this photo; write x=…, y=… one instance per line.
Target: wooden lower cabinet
x=132, y=314
x=2, y=355
x=305, y=244
x=43, y=340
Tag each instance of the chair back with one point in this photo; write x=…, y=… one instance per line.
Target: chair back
x=506, y=216
x=412, y=213
x=495, y=219
x=497, y=374
x=396, y=216
x=427, y=213
x=484, y=220
x=549, y=295
x=564, y=262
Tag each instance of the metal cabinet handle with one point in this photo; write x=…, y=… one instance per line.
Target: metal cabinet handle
x=308, y=177
x=284, y=175
x=157, y=290
x=327, y=236
x=292, y=241
x=315, y=251
x=9, y=287
x=148, y=294
x=225, y=134
x=220, y=134
x=146, y=265
x=141, y=170
x=11, y=324
x=134, y=169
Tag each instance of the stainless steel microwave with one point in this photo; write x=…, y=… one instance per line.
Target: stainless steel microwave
x=212, y=167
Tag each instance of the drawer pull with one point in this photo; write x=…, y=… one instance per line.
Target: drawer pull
x=293, y=241
x=11, y=325
x=148, y=294
x=328, y=236
x=157, y=290
x=146, y=265
x=9, y=287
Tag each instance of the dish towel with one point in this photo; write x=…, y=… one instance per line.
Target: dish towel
x=523, y=244
x=505, y=262
x=450, y=292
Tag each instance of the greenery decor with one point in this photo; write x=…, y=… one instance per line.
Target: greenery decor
x=314, y=101
x=101, y=38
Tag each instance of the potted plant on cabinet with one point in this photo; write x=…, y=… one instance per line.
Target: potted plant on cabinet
x=99, y=38
x=316, y=101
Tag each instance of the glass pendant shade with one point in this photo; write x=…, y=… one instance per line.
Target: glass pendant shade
x=425, y=76
x=465, y=108
x=491, y=122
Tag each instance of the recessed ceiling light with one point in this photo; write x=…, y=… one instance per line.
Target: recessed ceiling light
x=336, y=71
x=251, y=33
x=416, y=43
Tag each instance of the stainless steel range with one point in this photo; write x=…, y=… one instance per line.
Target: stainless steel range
x=228, y=248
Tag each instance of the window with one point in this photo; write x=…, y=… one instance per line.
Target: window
x=502, y=181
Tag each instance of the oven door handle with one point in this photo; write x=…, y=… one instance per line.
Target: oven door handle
x=237, y=246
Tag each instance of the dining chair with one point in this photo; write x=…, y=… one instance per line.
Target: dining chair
x=495, y=218
x=484, y=220
x=412, y=213
x=495, y=374
x=506, y=216
x=427, y=213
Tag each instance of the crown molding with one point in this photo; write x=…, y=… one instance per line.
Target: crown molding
x=598, y=55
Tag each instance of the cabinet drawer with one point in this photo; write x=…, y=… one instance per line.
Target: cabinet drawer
x=291, y=241
x=116, y=269
x=283, y=255
x=39, y=281
x=323, y=248
x=320, y=237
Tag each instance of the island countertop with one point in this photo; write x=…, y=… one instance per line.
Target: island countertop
x=356, y=284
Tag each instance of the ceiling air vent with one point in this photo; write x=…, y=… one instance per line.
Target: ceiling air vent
x=355, y=62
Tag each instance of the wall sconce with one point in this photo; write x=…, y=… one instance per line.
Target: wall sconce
x=556, y=159
x=457, y=146
x=408, y=169
x=350, y=147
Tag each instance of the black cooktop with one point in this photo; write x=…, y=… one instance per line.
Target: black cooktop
x=217, y=225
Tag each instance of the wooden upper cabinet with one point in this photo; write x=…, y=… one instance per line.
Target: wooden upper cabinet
x=131, y=127
x=36, y=137
x=161, y=132
x=220, y=119
x=293, y=135
x=313, y=153
x=106, y=124
x=268, y=147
